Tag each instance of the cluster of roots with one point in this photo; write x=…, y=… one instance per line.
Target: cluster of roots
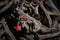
x=43, y=12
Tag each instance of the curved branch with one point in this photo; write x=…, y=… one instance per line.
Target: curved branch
x=7, y=30
x=46, y=13
x=49, y=35
x=3, y=3
x=6, y=7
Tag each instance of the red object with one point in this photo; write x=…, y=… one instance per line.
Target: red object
x=19, y=27
x=24, y=19
x=46, y=6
